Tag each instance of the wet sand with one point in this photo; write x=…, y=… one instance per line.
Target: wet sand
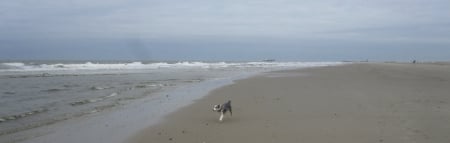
x=371, y=102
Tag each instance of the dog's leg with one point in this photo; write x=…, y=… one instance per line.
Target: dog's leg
x=221, y=116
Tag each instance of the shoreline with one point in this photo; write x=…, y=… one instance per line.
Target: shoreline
x=361, y=102
x=125, y=119
x=133, y=101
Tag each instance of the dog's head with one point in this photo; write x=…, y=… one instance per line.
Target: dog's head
x=216, y=107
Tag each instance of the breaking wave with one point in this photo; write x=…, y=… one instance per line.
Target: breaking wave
x=19, y=66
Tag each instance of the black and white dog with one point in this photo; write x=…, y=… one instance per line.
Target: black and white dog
x=223, y=108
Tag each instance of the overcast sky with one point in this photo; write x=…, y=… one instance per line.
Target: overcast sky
x=225, y=30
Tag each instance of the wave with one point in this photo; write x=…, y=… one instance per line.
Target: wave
x=19, y=66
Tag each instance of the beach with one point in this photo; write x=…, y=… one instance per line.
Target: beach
x=104, y=102
x=360, y=102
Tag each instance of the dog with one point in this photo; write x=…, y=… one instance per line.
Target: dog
x=223, y=108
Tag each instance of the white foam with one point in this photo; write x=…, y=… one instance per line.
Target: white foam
x=17, y=66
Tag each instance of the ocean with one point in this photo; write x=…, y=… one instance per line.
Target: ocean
x=37, y=94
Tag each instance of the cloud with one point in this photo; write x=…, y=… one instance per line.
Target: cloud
x=381, y=21
x=289, y=18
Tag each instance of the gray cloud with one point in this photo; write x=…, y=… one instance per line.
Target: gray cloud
x=381, y=21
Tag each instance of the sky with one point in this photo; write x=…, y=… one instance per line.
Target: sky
x=287, y=30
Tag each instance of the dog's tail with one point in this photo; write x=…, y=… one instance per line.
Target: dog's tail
x=231, y=111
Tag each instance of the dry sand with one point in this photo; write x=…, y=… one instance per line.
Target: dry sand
x=356, y=103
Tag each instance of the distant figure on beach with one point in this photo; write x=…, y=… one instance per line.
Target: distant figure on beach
x=414, y=61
